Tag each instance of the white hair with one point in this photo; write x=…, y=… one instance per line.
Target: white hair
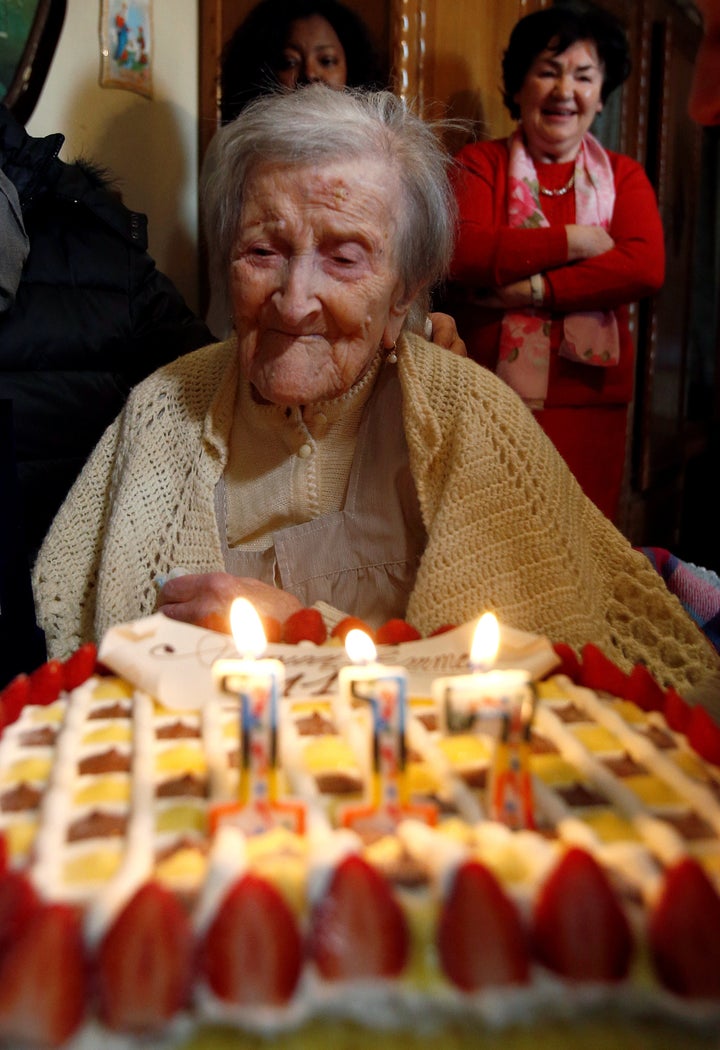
x=317, y=124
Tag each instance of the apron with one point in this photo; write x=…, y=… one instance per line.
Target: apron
x=364, y=558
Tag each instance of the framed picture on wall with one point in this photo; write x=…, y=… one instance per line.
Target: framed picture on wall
x=126, y=40
x=29, y=32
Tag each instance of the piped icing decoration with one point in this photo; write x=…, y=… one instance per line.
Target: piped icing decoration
x=227, y=863
x=660, y=837
x=56, y=813
x=662, y=765
x=661, y=791
x=138, y=857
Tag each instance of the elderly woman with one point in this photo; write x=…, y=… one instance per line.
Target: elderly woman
x=557, y=236
x=290, y=43
x=326, y=453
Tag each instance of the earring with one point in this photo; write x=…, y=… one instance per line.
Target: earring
x=391, y=358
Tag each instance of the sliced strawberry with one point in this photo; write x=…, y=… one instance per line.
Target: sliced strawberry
x=599, y=672
x=14, y=697
x=18, y=901
x=144, y=962
x=46, y=683
x=644, y=691
x=305, y=625
x=253, y=951
x=703, y=735
x=395, y=631
x=350, y=623
x=358, y=929
x=442, y=629
x=570, y=662
x=272, y=629
x=216, y=621
x=43, y=986
x=78, y=667
x=677, y=711
x=579, y=927
x=3, y=855
x=480, y=936
x=684, y=932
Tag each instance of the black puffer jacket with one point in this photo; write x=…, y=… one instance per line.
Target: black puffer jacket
x=92, y=317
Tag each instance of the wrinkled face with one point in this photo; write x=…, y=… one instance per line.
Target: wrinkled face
x=312, y=53
x=559, y=99
x=314, y=282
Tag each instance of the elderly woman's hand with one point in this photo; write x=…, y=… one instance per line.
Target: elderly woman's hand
x=444, y=333
x=199, y=598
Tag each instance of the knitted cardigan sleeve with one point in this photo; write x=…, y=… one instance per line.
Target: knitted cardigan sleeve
x=143, y=503
x=510, y=529
x=65, y=575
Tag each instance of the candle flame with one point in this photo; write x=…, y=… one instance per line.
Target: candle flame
x=359, y=646
x=486, y=642
x=247, y=629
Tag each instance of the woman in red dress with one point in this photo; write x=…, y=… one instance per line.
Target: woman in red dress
x=557, y=236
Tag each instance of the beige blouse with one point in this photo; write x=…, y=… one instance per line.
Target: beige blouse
x=362, y=558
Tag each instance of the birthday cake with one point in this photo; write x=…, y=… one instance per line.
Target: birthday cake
x=168, y=881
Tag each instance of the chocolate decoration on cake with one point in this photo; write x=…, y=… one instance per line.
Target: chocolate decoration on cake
x=20, y=798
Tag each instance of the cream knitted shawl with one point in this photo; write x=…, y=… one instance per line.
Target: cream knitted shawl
x=509, y=528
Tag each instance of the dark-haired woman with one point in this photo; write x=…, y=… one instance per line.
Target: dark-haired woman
x=557, y=236
x=290, y=42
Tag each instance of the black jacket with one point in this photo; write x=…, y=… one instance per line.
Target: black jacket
x=93, y=316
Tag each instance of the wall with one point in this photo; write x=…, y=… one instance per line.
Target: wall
x=151, y=145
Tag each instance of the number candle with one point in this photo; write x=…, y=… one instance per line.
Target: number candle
x=384, y=690
x=259, y=684
x=506, y=697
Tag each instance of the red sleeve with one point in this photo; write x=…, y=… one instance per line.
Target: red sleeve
x=488, y=252
x=635, y=267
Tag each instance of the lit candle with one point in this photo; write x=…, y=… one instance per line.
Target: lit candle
x=382, y=689
x=258, y=684
x=485, y=643
x=462, y=700
x=467, y=703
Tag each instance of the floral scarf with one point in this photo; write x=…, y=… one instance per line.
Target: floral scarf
x=589, y=337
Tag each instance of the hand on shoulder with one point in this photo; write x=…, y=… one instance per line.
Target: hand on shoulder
x=443, y=332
